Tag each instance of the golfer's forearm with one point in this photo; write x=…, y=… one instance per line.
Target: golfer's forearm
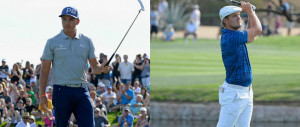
x=254, y=21
x=43, y=81
x=248, y=24
x=43, y=84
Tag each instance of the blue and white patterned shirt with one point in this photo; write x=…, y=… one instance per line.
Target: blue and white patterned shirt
x=235, y=57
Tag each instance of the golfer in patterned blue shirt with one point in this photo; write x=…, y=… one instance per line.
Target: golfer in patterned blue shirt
x=236, y=95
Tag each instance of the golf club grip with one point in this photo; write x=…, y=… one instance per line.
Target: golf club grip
x=239, y=4
x=112, y=56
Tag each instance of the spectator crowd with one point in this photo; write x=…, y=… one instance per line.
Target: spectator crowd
x=159, y=22
x=125, y=89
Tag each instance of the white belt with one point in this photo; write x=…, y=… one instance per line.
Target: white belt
x=238, y=86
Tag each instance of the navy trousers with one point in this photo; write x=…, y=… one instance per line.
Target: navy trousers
x=68, y=100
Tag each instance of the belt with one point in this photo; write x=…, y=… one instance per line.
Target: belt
x=74, y=85
x=145, y=76
x=238, y=86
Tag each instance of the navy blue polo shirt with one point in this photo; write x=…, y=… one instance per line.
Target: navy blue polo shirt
x=235, y=57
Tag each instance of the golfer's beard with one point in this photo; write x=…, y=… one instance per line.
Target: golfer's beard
x=235, y=27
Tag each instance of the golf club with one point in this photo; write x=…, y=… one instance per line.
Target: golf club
x=142, y=9
x=239, y=4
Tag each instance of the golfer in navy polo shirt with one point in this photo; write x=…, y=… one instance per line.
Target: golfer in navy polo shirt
x=236, y=95
x=68, y=53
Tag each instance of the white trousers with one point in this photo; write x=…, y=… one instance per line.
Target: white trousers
x=236, y=105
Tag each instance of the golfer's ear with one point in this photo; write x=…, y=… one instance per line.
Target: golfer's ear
x=225, y=20
x=78, y=21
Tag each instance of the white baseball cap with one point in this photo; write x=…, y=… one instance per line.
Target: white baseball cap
x=100, y=84
x=32, y=80
x=47, y=88
x=143, y=109
x=227, y=10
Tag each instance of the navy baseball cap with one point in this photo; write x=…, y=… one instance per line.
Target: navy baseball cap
x=70, y=11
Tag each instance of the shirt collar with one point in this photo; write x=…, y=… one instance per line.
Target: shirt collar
x=66, y=36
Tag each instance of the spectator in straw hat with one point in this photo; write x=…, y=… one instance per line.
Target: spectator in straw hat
x=31, y=121
x=25, y=121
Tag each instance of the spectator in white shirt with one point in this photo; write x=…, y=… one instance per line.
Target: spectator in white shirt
x=126, y=69
x=190, y=28
x=108, y=97
x=137, y=88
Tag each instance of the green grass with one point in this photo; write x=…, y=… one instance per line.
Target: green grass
x=112, y=119
x=38, y=122
x=192, y=72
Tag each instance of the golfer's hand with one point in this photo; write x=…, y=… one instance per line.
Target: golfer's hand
x=44, y=103
x=106, y=69
x=246, y=6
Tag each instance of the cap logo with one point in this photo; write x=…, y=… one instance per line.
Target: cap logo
x=70, y=10
x=73, y=11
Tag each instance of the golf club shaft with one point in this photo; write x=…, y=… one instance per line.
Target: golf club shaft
x=122, y=40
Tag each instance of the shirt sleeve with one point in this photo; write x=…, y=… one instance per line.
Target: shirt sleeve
x=8, y=100
x=132, y=68
x=8, y=70
x=240, y=37
x=119, y=118
x=132, y=102
x=105, y=120
x=48, y=52
x=130, y=120
x=131, y=93
x=92, y=50
x=114, y=95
